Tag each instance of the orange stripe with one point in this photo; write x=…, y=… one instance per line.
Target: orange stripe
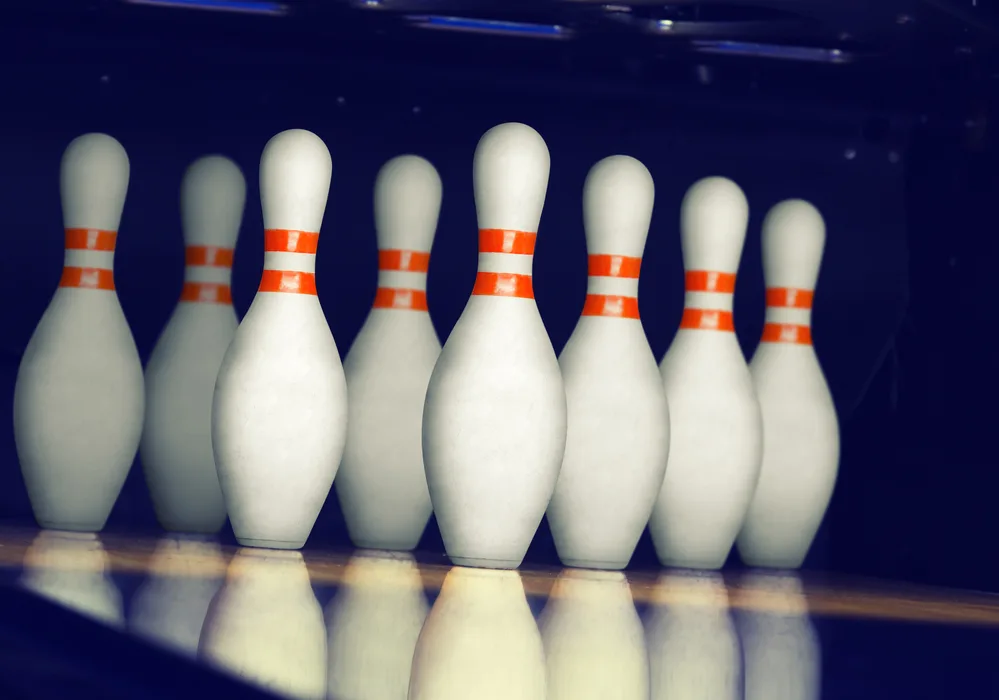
x=708, y=281
x=503, y=284
x=208, y=256
x=707, y=320
x=288, y=281
x=498, y=240
x=403, y=260
x=786, y=333
x=412, y=299
x=90, y=239
x=790, y=298
x=607, y=305
x=207, y=292
x=87, y=278
x=279, y=240
x=614, y=266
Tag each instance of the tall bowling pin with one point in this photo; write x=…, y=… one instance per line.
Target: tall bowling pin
x=618, y=434
x=494, y=421
x=279, y=416
x=801, y=433
x=79, y=396
x=382, y=485
x=716, y=434
x=176, y=445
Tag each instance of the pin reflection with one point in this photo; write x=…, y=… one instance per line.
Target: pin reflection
x=780, y=646
x=266, y=626
x=185, y=573
x=71, y=569
x=693, y=647
x=480, y=641
x=374, y=622
x=593, y=638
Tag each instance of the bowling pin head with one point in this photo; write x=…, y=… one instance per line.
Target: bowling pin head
x=617, y=207
x=295, y=172
x=713, y=219
x=212, y=196
x=93, y=180
x=407, y=204
x=794, y=236
x=510, y=178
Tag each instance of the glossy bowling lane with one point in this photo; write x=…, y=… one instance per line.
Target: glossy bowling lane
x=370, y=625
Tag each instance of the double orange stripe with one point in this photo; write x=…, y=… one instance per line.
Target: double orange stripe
x=289, y=281
x=505, y=284
x=708, y=319
x=401, y=298
x=207, y=292
x=788, y=298
x=609, y=304
x=89, y=277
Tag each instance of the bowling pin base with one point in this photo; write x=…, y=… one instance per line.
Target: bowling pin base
x=269, y=544
x=576, y=563
x=89, y=526
x=476, y=563
x=698, y=563
x=780, y=563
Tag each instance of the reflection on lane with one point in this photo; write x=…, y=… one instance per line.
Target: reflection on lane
x=374, y=621
x=593, y=638
x=480, y=641
x=693, y=647
x=266, y=626
x=779, y=642
x=185, y=573
x=72, y=570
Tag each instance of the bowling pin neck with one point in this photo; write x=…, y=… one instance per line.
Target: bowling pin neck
x=402, y=279
x=612, y=288
x=707, y=303
x=89, y=259
x=506, y=261
x=207, y=274
x=289, y=261
x=788, y=316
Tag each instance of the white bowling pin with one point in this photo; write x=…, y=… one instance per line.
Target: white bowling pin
x=381, y=484
x=780, y=646
x=176, y=447
x=618, y=428
x=494, y=422
x=716, y=432
x=374, y=622
x=479, y=641
x=800, y=430
x=185, y=574
x=79, y=396
x=279, y=416
x=693, y=645
x=72, y=570
x=593, y=639
x=266, y=626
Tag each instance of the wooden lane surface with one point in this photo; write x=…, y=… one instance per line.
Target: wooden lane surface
x=828, y=596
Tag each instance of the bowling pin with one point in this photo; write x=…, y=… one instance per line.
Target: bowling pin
x=800, y=430
x=593, y=639
x=494, y=422
x=72, y=570
x=79, y=396
x=780, y=645
x=279, y=415
x=693, y=644
x=618, y=428
x=480, y=641
x=716, y=431
x=266, y=627
x=373, y=623
x=176, y=447
x=169, y=608
x=381, y=484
